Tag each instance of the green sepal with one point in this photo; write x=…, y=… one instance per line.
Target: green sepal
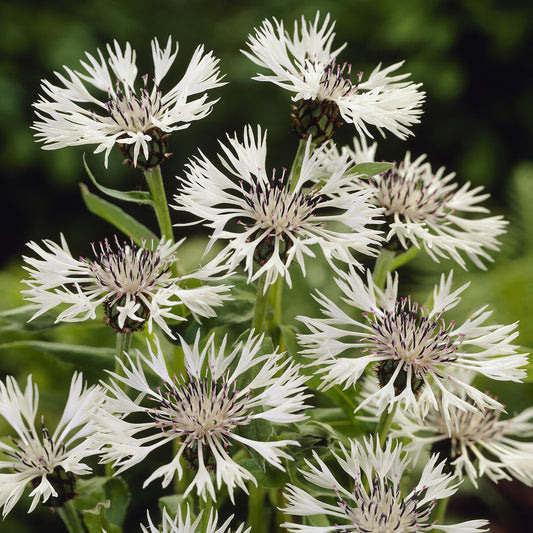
x=138, y=197
x=116, y=216
x=370, y=169
x=73, y=353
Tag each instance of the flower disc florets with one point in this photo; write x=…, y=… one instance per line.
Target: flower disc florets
x=427, y=209
x=135, y=284
x=205, y=413
x=50, y=463
x=479, y=443
x=376, y=497
x=137, y=120
x=271, y=220
x=305, y=64
x=418, y=357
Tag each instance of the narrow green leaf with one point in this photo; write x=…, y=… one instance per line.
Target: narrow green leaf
x=138, y=197
x=271, y=478
x=72, y=353
x=116, y=216
x=370, y=169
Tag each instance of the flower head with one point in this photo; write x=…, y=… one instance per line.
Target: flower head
x=479, y=443
x=417, y=353
x=135, y=284
x=426, y=209
x=204, y=413
x=375, y=499
x=306, y=65
x=49, y=462
x=271, y=220
x=137, y=119
x=187, y=525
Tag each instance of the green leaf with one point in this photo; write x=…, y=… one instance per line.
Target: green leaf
x=172, y=503
x=370, y=169
x=138, y=197
x=116, y=216
x=103, y=500
x=96, y=520
x=72, y=353
x=17, y=319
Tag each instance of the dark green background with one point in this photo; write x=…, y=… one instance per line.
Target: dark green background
x=473, y=57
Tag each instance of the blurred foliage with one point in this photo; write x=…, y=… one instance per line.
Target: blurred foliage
x=472, y=57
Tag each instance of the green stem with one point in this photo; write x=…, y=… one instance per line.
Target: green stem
x=122, y=344
x=258, y=322
x=403, y=258
x=276, y=298
x=157, y=189
x=440, y=511
x=71, y=518
x=382, y=267
x=206, y=507
x=384, y=425
x=297, y=164
x=256, y=510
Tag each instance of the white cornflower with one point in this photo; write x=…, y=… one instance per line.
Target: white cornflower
x=135, y=284
x=49, y=462
x=137, y=119
x=376, y=499
x=270, y=219
x=479, y=443
x=306, y=65
x=186, y=525
x=418, y=355
x=427, y=209
x=203, y=413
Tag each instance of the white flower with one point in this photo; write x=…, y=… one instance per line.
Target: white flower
x=480, y=443
x=204, y=413
x=417, y=353
x=306, y=65
x=186, y=525
x=272, y=220
x=376, y=499
x=135, y=284
x=49, y=462
x=427, y=209
x=134, y=118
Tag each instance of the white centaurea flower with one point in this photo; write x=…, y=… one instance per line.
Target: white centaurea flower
x=417, y=353
x=376, y=499
x=181, y=524
x=429, y=210
x=138, y=120
x=306, y=65
x=49, y=462
x=272, y=220
x=204, y=412
x=135, y=284
x=478, y=444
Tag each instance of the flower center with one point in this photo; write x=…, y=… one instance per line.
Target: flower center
x=129, y=270
x=277, y=213
x=407, y=195
x=383, y=510
x=41, y=458
x=131, y=112
x=336, y=83
x=406, y=336
x=274, y=207
x=198, y=410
